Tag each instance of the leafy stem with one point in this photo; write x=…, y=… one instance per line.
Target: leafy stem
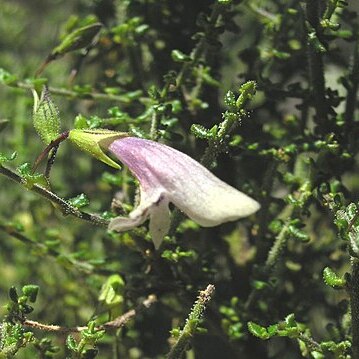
x=43, y=249
x=99, y=96
x=200, y=49
x=192, y=323
x=65, y=206
x=117, y=323
x=352, y=87
x=354, y=306
x=315, y=62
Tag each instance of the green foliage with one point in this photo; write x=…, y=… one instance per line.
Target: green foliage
x=332, y=279
x=79, y=201
x=85, y=346
x=290, y=328
x=12, y=334
x=112, y=291
x=29, y=178
x=4, y=158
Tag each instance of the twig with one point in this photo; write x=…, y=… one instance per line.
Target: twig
x=13, y=232
x=53, y=145
x=264, y=215
x=352, y=90
x=311, y=343
x=154, y=125
x=65, y=206
x=123, y=99
x=192, y=323
x=354, y=306
x=277, y=248
x=316, y=67
x=115, y=324
x=200, y=49
x=280, y=241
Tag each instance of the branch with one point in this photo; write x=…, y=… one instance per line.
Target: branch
x=82, y=266
x=192, y=323
x=275, y=252
x=316, y=67
x=65, y=206
x=310, y=343
x=200, y=49
x=352, y=90
x=119, y=322
x=122, y=99
x=354, y=306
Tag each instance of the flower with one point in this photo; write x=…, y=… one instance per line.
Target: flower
x=166, y=175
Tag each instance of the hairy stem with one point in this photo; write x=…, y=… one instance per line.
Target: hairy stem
x=316, y=68
x=154, y=125
x=354, y=306
x=121, y=99
x=192, y=323
x=351, y=100
x=200, y=49
x=264, y=214
x=42, y=249
x=310, y=342
x=66, y=207
x=117, y=323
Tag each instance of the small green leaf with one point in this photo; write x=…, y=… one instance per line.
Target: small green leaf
x=247, y=92
x=297, y=233
x=272, y=330
x=258, y=331
x=29, y=178
x=111, y=179
x=79, y=201
x=5, y=158
x=112, y=291
x=81, y=122
x=31, y=291
x=94, y=141
x=46, y=118
x=6, y=78
x=200, y=132
x=71, y=343
x=230, y=99
x=179, y=56
x=259, y=285
x=290, y=320
x=13, y=294
x=332, y=279
x=178, y=254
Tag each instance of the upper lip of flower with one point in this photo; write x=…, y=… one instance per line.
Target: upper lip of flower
x=166, y=175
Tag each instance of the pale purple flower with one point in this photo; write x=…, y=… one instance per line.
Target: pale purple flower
x=166, y=175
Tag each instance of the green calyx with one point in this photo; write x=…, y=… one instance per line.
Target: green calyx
x=95, y=141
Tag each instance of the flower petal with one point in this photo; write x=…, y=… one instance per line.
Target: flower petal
x=159, y=221
x=135, y=218
x=153, y=205
x=216, y=202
